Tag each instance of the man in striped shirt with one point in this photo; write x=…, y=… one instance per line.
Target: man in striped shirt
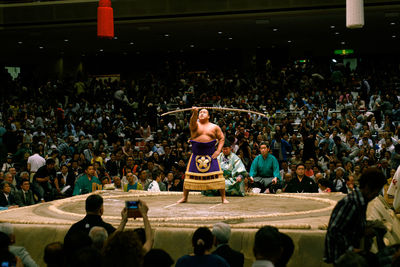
x=347, y=224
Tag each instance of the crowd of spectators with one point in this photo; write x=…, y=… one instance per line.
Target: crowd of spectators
x=335, y=120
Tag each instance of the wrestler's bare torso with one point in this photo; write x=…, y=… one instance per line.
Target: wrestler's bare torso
x=205, y=132
x=202, y=130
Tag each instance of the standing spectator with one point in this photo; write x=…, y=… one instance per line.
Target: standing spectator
x=35, y=162
x=347, y=224
x=94, y=210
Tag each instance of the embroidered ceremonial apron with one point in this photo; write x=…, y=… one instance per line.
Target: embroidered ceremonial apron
x=203, y=172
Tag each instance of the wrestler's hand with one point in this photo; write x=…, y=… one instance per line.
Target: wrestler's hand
x=251, y=179
x=215, y=155
x=275, y=180
x=195, y=110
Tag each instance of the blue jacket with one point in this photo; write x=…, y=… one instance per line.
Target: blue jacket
x=285, y=146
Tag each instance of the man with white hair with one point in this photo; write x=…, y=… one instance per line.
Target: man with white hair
x=222, y=233
x=99, y=236
x=17, y=251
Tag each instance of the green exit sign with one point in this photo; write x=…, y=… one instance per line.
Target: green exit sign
x=344, y=51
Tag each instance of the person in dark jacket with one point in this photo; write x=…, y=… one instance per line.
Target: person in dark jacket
x=301, y=183
x=222, y=233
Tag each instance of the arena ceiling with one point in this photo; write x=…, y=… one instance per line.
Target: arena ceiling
x=312, y=31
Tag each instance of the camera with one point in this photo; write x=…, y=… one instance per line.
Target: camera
x=132, y=204
x=133, y=209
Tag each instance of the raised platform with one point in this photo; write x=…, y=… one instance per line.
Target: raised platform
x=303, y=216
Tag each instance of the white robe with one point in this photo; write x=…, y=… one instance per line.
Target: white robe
x=394, y=190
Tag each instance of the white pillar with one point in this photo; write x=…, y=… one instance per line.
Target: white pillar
x=354, y=14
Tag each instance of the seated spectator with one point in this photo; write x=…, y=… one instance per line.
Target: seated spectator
x=44, y=181
x=66, y=180
x=267, y=247
x=169, y=181
x=117, y=182
x=143, y=179
x=113, y=166
x=339, y=183
x=99, y=236
x=123, y=249
x=104, y=180
x=22, y=177
x=323, y=185
x=177, y=186
x=7, y=199
x=24, y=197
x=157, y=258
x=87, y=256
x=84, y=184
x=155, y=185
x=8, y=164
x=202, y=241
x=54, y=255
x=350, y=184
x=287, y=177
x=301, y=183
x=9, y=178
x=222, y=233
x=308, y=169
x=6, y=257
x=73, y=243
x=133, y=183
x=287, y=250
x=17, y=251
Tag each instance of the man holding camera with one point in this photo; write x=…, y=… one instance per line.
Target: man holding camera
x=95, y=209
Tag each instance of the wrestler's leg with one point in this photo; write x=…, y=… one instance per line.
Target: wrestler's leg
x=223, y=197
x=185, y=196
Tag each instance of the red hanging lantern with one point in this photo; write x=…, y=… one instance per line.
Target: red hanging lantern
x=105, y=19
